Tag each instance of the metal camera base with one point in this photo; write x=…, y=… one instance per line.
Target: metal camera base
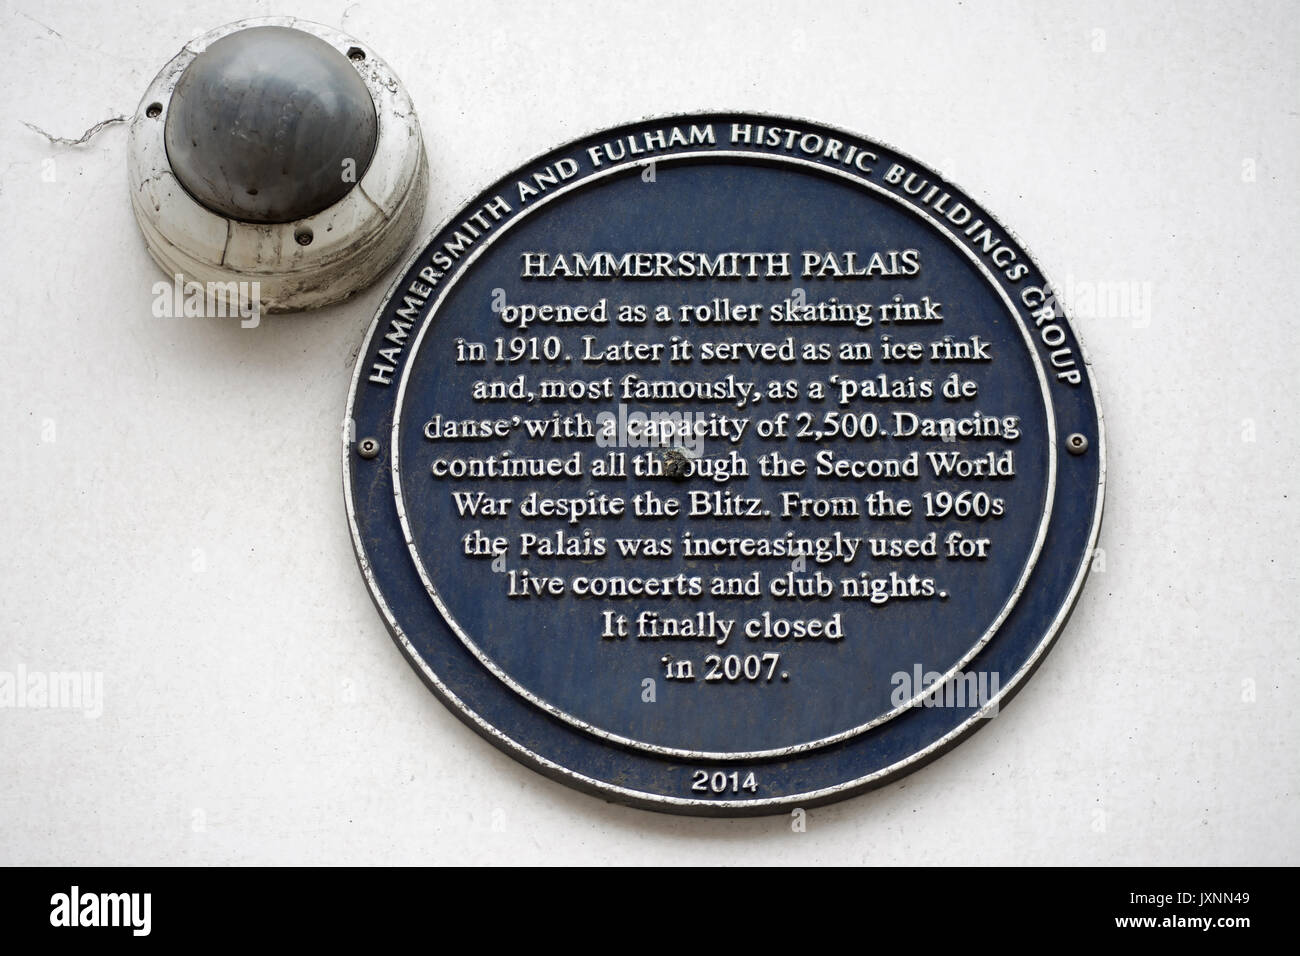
x=302, y=264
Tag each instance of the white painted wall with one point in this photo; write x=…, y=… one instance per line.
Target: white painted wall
x=171, y=491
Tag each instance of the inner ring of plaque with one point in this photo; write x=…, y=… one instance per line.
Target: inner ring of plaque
x=885, y=620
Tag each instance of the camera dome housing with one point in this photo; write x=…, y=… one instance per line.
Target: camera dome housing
x=281, y=152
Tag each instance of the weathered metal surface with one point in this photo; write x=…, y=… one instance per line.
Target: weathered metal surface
x=270, y=124
x=784, y=638
x=326, y=254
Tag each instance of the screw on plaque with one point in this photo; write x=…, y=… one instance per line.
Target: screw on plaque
x=1077, y=444
x=368, y=448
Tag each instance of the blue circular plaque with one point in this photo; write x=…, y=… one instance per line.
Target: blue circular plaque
x=723, y=464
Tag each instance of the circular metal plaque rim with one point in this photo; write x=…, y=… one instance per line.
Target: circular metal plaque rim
x=667, y=803
x=537, y=700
